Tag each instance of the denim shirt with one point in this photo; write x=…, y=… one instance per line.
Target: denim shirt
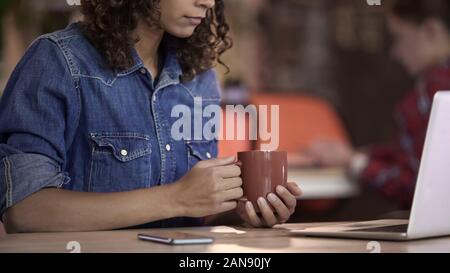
x=67, y=121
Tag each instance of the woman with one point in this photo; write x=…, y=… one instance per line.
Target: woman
x=85, y=124
x=421, y=43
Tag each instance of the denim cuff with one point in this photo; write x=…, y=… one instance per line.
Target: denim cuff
x=22, y=175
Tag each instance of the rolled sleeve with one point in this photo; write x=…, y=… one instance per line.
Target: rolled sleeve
x=24, y=174
x=39, y=113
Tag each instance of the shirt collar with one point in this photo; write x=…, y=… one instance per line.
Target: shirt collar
x=171, y=71
x=138, y=64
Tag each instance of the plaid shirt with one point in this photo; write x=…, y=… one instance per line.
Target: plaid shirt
x=393, y=168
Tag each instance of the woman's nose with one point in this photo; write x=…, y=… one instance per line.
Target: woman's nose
x=208, y=4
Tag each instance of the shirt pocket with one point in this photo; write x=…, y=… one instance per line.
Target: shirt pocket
x=200, y=150
x=119, y=162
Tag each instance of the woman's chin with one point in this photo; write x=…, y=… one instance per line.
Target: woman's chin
x=182, y=33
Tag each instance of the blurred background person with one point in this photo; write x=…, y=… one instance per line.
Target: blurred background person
x=420, y=31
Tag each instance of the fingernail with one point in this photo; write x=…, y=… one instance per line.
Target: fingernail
x=281, y=189
x=249, y=205
x=261, y=201
x=272, y=198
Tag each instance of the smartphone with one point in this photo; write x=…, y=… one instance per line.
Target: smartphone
x=176, y=238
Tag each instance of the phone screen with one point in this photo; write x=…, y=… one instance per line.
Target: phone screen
x=176, y=238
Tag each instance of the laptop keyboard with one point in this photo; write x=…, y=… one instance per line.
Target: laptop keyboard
x=397, y=229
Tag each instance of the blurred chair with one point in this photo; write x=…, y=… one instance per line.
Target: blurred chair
x=303, y=119
x=232, y=147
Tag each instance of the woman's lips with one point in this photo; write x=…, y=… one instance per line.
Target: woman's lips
x=194, y=20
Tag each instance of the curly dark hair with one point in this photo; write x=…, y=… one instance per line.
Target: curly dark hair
x=109, y=25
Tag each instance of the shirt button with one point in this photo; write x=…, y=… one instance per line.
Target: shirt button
x=143, y=71
x=168, y=148
x=208, y=155
x=124, y=152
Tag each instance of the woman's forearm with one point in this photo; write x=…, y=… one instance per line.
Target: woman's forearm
x=53, y=210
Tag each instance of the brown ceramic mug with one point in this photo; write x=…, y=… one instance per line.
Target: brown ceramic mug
x=262, y=172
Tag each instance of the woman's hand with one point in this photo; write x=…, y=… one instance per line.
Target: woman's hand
x=283, y=203
x=211, y=187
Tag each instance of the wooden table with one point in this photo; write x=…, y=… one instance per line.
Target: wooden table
x=315, y=184
x=228, y=240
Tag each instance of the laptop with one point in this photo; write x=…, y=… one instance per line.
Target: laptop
x=430, y=212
